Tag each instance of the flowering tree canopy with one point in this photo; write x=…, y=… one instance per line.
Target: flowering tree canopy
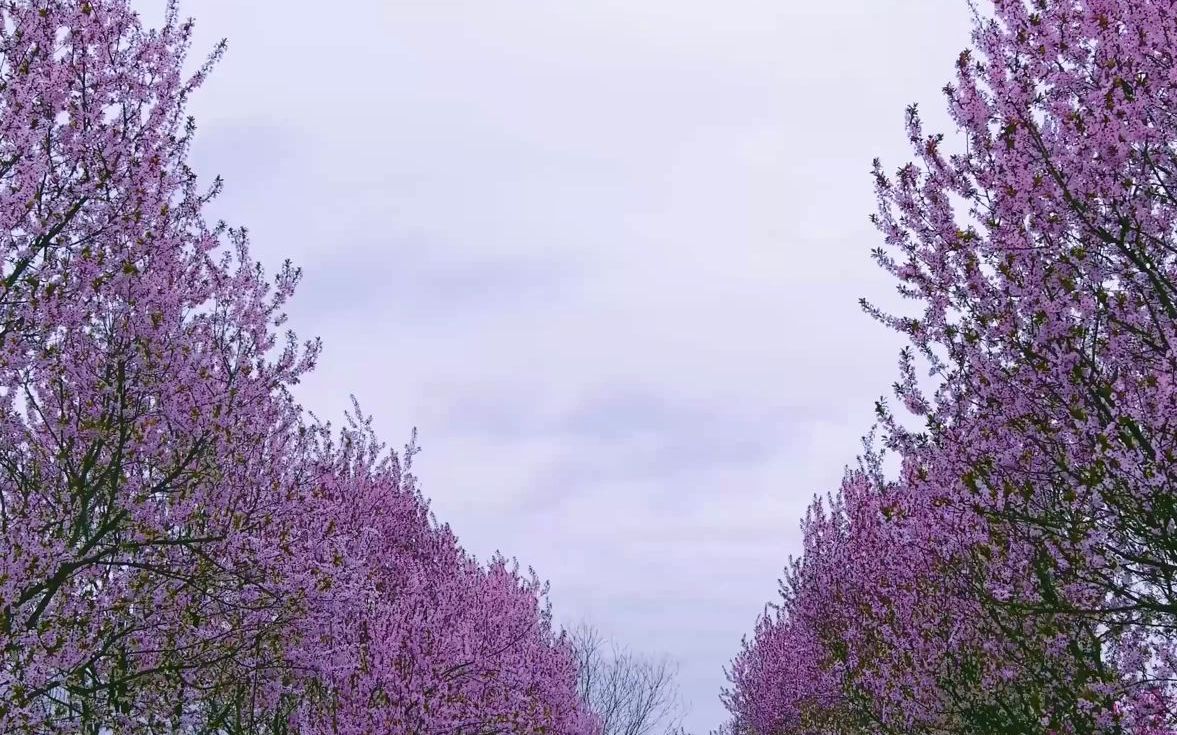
x=407, y=633
x=182, y=549
x=1034, y=515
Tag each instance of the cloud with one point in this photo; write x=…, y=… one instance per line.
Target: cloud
x=606, y=256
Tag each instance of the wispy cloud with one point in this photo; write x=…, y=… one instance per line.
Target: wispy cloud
x=606, y=257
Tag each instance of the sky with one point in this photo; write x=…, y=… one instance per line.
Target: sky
x=605, y=255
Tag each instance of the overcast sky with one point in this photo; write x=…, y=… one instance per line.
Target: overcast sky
x=604, y=254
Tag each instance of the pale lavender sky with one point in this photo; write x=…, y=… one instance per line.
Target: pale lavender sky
x=605, y=254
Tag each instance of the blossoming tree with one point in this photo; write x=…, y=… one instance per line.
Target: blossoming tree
x=182, y=549
x=1042, y=253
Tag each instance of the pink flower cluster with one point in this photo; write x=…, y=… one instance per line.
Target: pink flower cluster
x=404, y=632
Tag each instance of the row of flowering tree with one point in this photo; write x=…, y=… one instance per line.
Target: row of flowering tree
x=183, y=548
x=1019, y=575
